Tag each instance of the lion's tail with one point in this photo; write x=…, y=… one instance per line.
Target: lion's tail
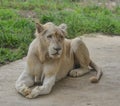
x=96, y=78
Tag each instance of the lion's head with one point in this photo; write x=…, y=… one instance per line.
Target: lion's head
x=51, y=38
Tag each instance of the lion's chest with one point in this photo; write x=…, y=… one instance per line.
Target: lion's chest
x=65, y=66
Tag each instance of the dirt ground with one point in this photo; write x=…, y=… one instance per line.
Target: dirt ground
x=104, y=50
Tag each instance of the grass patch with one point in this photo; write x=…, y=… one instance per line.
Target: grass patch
x=15, y=35
x=17, y=31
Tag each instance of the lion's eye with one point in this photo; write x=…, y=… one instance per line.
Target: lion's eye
x=61, y=37
x=49, y=36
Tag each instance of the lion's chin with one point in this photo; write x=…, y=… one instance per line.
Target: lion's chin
x=57, y=56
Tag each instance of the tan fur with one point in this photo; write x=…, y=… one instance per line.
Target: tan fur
x=44, y=62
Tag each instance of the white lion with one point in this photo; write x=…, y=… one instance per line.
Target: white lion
x=52, y=57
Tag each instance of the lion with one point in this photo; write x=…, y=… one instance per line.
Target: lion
x=51, y=57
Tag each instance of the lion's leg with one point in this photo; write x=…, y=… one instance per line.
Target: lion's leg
x=78, y=72
x=23, y=83
x=81, y=55
x=30, y=76
x=49, y=79
x=44, y=89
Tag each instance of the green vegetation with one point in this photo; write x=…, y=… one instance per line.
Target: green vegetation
x=17, y=27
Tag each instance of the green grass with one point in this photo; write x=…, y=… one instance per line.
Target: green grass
x=17, y=31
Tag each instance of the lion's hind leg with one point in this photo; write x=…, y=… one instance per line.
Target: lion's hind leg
x=78, y=72
x=23, y=83
x=81, y=57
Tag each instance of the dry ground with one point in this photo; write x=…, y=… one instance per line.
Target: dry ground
x=72, y=91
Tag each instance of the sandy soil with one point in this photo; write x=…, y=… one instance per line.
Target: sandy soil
x=72, y=91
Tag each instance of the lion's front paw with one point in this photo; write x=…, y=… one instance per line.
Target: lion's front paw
x=34, y=93
x=75, y=73
x=26, y=91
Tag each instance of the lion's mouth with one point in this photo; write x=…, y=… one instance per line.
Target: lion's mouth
x=55, y=54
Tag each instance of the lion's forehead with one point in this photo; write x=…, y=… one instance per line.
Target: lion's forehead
x=49, y=25
x=54, y=31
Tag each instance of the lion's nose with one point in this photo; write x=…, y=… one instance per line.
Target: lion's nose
x=57, y=49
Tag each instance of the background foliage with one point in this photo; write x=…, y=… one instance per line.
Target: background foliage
x=17, y=27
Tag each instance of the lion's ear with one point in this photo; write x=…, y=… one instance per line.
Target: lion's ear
x=39, y=28
x=63, y=27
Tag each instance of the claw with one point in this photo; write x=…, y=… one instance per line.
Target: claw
x=26, y=91
x=29, y=96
